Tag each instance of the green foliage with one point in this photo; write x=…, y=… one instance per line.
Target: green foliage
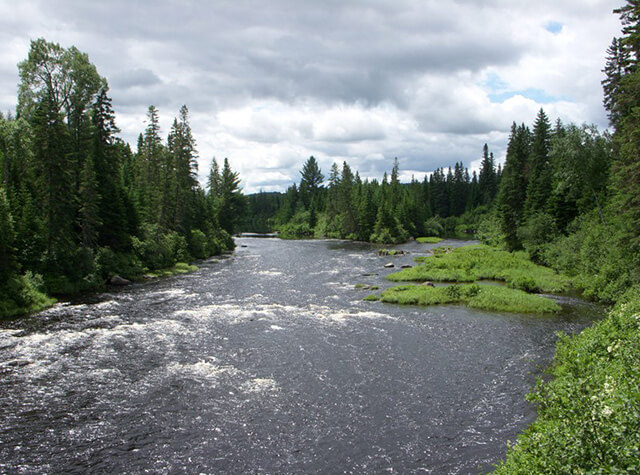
x=77, y=205
x=23, y=294
x=597, y=256
x=536, y=232
x=433, y=227
x=471, y=263
x=589, y=410
x=485, y=297
x=109, y=263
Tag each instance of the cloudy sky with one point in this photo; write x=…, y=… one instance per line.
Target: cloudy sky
x=270, y=83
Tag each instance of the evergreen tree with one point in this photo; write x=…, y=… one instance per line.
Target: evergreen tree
x=539, y=179
x=7, y=237
x=513, y=184
x=311, y=182
x=487, y=180
x=232, y=204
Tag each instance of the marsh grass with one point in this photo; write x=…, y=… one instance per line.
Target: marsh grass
x=479, y=262
x=179, y=268
x=429, y=240
x=484, y=297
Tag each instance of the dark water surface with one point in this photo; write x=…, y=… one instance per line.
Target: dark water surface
x=268, y=361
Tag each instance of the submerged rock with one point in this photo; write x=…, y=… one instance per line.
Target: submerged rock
x=406, y=266
x=117, y=280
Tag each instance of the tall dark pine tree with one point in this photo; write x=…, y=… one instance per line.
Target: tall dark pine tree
x=513, y=184
x=539, y=180
x=487, y=180
x=183, y=174
x=54, y=181
x=622, y=99
x=311, y=183
x=7, y=236
x=232, y=203
x=114, y=208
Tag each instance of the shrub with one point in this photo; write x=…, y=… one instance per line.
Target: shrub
x=589, y=412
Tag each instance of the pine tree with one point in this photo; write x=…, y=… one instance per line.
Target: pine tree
x=513, y=184
x=311, y=182
x=232, y=206
x=539, y=179
x=487, y=180
x=7, y=237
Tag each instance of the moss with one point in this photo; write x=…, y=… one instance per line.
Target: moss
x=429, y=240
x=484, y=297
x=371, y=298
x=471, y=263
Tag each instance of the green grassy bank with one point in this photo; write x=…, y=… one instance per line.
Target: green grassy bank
x=472, y=263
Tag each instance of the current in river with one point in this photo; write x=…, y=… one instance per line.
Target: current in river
x=268, y=361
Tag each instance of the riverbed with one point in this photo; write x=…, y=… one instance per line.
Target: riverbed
x=268, y=360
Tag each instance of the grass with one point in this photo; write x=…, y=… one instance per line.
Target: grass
x=484, y=297
x=372, y=298
x=179, y=268
x=472, y=263
x=429, y=240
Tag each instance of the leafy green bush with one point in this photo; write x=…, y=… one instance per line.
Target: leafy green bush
x=23, y=294
x=589, y=412
x=432, y=227
x=198, y=246
x=539, y=229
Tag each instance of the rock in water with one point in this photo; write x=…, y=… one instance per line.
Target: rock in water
x=117, y=280
x=389, y=265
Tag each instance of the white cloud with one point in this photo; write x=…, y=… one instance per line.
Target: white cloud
x=428, y=82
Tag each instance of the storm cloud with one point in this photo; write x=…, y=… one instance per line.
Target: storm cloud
x=270, y=83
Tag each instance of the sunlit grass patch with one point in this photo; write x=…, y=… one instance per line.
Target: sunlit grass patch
x=484, y=297
x=478, y=262
x=179, y=268
x=429, y=240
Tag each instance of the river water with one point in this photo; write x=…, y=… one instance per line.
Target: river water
x=269, y=361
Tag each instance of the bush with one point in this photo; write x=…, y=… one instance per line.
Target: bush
x=589, y=412
x=536, y=233
x=432, y=227
x=23, y=294
x=198, y=246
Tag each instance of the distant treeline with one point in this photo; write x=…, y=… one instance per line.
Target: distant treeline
x=77, y=205
x=386, y=211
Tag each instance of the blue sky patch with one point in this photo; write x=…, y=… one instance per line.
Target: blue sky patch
x=537, y=95
x=554, y=27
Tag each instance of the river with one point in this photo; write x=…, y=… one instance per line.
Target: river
x=268, y=360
